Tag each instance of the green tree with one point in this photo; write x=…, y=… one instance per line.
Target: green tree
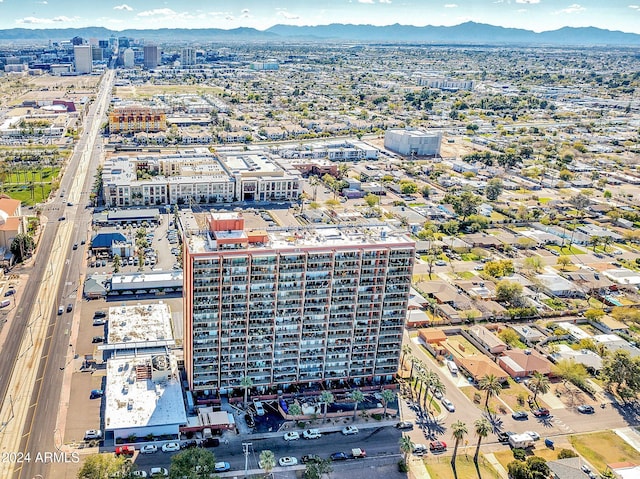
x=563, y=262
x=406, y=446
x=621, y=373
x=387, y=397
x=492, y=385
x=22, y=246
x=533, y=264
x=570, y=371
x=594, y=314
x=246, y=383
x=538, y=468
x=408, y=187
x=482, y=428
x=458, y=432
x=539, y=383
x=357, y=397
x=104, y=466
x=318, y=469
x=195, y=463
x=518, y=470
x=406, y=350
x=326, y=397
x=566, y=454
x=267, y=462
x=437, y=387
x=116, y=263
x=493, y=189
x=426, y=191
x=371, y=200
x=295, y=410
x=464, y=204
x=509, y=336
x=508, y=291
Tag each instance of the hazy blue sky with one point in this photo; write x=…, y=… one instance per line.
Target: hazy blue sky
x=538, y=15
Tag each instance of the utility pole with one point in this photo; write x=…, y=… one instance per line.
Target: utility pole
x=245, y=449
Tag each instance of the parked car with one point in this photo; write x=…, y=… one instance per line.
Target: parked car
x=310, y=458
x=519, y=415
x=339, y=456
x=93, y=434
x=9, y=292
x=125, y=450
x=249, y=420
x=404, y=425
x=259, y=408
x=448, y=405
x=189, y=445
x=139, y=473
x=100, y=314
x=586, y=409
x=210, y=442
x=287, y=461
x=221, y=467
x=419, y=449
x=148, y=449
x=159, y=472
x=69, y=307
x=99, y=321
x=503, y=437
x=541, y=412
x=96, y=393
x=349, y=430
x=171, y=447
x=437, y=446
x=534, y=435
x=291, y=436
x=97, y=339
x=311, y=434
x=358, y=453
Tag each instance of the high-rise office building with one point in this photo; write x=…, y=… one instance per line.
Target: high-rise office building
x=188, y=56
x=292, y=307
x=151, y=56
x=128, y=58
x=83, y=58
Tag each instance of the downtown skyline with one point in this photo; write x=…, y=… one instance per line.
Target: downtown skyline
x=536, y=15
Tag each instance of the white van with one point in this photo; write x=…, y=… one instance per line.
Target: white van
x=5, y=303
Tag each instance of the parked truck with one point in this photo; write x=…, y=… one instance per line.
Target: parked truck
x=521, y=441
x=357, y=452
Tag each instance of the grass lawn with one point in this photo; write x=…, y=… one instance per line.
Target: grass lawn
x=466, y=275
x=495, y=216
x=508, y=395
x=544, y=201
x=566, y=250
x=540, y=450
x=602, y=448
x=23, y=193
x=439, y=467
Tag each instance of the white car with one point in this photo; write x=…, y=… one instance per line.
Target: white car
x=534, y=435
x=291, y=436
x=159, y=472
x=259, y=408
x=139, y=474
x=93, y=434
x=171, y=447
x=287, y=461
x=311, y=434
x=348, y=430
x=148, y=449
x=448, y=405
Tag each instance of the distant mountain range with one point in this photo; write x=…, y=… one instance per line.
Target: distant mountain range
x=465, y=33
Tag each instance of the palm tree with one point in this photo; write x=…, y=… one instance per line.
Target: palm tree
x=421, y=377
x=406, y=349
x=387, y=397
x=428, y=378
x=356, y=397
x=295, y=410
x=483, y=428
x=492, y=384
x=539, y=383
x=419, y=365
x=406, y=446
x=459, y=430
x=327, y=398
x=267, y=462
x=247, y=384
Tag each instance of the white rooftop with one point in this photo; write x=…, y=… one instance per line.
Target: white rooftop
x=143, y=391
x=310, y=237
x=149, y=322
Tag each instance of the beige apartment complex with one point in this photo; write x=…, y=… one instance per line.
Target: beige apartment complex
x=293, y=306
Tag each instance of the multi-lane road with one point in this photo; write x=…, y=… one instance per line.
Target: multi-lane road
x=34, y=372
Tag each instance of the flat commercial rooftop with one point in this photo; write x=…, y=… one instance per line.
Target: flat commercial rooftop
x=310, y=237
x=143, y=391
x=149, y=322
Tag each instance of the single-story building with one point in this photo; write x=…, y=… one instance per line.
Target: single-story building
x=520, y=363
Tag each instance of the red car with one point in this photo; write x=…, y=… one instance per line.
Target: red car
x=541, y=412
x=437, y=446
x=125, y=450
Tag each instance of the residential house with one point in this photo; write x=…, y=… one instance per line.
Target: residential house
x=555, y=285
x=528, y=334
x=570, y=468
x=479, y=365
x=587, y=358
x=520, y=363
x=487, y=339
x=613, y=342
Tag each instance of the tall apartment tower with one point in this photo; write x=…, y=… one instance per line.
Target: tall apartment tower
x=83, y=58
x=292, y=307
x=188, y=56
x=151, y=56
